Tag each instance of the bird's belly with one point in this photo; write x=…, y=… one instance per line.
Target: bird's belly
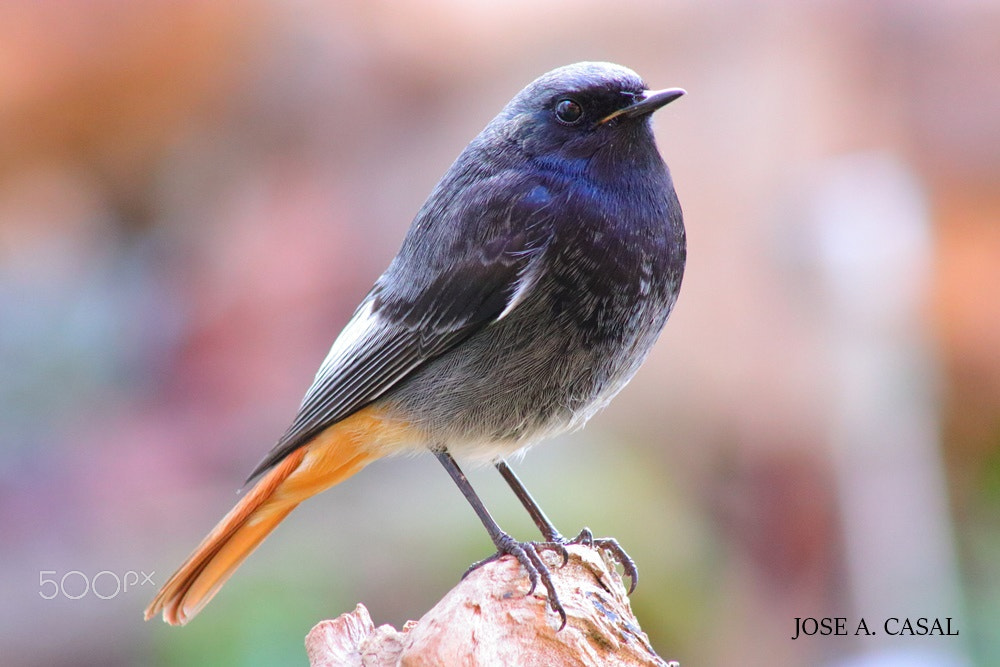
x=522, y=379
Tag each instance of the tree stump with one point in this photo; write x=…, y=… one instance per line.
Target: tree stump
x=488, y=620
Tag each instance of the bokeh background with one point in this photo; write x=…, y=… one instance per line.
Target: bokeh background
x=194, y=196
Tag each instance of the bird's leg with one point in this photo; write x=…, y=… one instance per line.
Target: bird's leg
x=549, y=532
x=525, y=552
x=553, y=536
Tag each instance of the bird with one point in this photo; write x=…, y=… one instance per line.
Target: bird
x=526, y=293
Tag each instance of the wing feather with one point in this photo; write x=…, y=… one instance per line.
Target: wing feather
x=427, y=303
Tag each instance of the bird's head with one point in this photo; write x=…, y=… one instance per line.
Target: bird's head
x=578, y=110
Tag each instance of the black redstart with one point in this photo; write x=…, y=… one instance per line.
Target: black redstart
x=527, y=292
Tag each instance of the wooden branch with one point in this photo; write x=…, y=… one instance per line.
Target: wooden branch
x=488, y=620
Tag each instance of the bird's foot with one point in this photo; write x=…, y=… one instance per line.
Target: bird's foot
x=527, y=555
x=610, y=545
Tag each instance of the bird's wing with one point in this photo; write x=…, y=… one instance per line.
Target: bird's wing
x=442, y=287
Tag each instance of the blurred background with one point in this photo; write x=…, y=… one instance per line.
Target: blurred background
x=194, y=196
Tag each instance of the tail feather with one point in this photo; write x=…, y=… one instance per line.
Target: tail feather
x=333, y=456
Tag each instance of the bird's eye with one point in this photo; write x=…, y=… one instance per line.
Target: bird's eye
x=568, y=111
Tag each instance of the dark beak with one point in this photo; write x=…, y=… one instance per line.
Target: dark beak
x=650, y=102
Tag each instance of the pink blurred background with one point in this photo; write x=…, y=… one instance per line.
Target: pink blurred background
x=194, y=196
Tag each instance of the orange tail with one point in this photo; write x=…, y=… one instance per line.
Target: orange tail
x=333, y=456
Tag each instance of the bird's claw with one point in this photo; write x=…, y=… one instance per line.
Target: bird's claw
x=527, y=555
x=610, y=544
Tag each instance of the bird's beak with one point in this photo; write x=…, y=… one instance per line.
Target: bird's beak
x=650, y=102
